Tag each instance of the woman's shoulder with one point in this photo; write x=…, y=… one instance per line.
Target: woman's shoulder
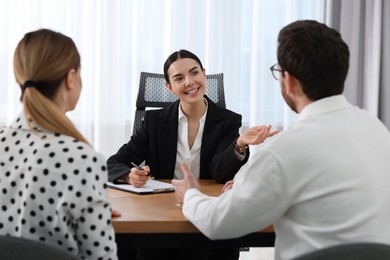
x=165, y=112
x=213, y=107
x=77, y=162
x=75, y=151
x=229, y=112
x=223, y=112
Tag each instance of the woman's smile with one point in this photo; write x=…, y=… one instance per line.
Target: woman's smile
x=192, y=91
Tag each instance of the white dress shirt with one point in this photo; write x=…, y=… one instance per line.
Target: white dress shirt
x=184, y=153
x=187, y=155
x=323, y=183
x=53, y=189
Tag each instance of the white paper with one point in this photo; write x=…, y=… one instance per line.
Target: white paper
x=152, y=186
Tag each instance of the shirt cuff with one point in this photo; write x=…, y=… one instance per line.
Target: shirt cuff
x=240, y=156
x=189, y=193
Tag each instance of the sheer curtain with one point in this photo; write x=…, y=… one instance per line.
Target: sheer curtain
x=119, y=39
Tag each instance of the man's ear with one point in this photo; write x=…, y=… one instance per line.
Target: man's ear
x=291, y=82
x=70, y=79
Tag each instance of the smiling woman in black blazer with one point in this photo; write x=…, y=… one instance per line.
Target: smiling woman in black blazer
x=157, y=142
x=192, y=130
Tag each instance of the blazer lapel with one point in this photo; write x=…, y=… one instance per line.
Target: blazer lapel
x=167, y=139
x=211, y=134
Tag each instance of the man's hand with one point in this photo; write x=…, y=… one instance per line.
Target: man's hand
x=228, y=185
x=185, y=184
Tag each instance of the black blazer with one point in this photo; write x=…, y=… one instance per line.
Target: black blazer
x=155, y=142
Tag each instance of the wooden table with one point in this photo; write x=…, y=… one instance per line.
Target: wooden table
x=155, y=221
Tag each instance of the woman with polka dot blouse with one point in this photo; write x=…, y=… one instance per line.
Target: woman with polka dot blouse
x=52, y=182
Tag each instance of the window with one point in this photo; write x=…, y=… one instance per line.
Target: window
x=119, y=39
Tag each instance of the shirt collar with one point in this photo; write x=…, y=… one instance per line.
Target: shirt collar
x=21, y=123
x=324, y=105
x=203, y=118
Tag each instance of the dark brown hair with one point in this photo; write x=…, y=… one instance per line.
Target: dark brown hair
x=316, y=55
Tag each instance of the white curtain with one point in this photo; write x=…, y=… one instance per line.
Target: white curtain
x=118, y=39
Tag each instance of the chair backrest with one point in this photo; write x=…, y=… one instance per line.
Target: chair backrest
x=25, y=249
x=358, y=251
x=152, y=93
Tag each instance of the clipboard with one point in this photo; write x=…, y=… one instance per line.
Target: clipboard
x=151, y=187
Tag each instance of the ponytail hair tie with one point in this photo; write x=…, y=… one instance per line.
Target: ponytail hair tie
x=30, y=83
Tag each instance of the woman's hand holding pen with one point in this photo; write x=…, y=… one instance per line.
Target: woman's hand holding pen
x=138, y=176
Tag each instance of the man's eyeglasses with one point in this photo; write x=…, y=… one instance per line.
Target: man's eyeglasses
x=276, y=71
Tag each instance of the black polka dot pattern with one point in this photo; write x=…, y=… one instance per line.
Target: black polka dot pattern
x=52, y=189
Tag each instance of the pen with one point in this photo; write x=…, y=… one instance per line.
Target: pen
x=140, y=168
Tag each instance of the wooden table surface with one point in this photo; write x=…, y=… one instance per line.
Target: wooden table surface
x=156, y=213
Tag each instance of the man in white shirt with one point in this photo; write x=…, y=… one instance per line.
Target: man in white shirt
x=323, y=183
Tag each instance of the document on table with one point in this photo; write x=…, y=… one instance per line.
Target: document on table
x=152, y=186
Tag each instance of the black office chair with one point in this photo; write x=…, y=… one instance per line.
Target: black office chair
x=358, y=251
x=13, y=248
x=152, y=93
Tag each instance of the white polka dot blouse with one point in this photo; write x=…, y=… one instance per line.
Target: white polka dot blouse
x=53, y=189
